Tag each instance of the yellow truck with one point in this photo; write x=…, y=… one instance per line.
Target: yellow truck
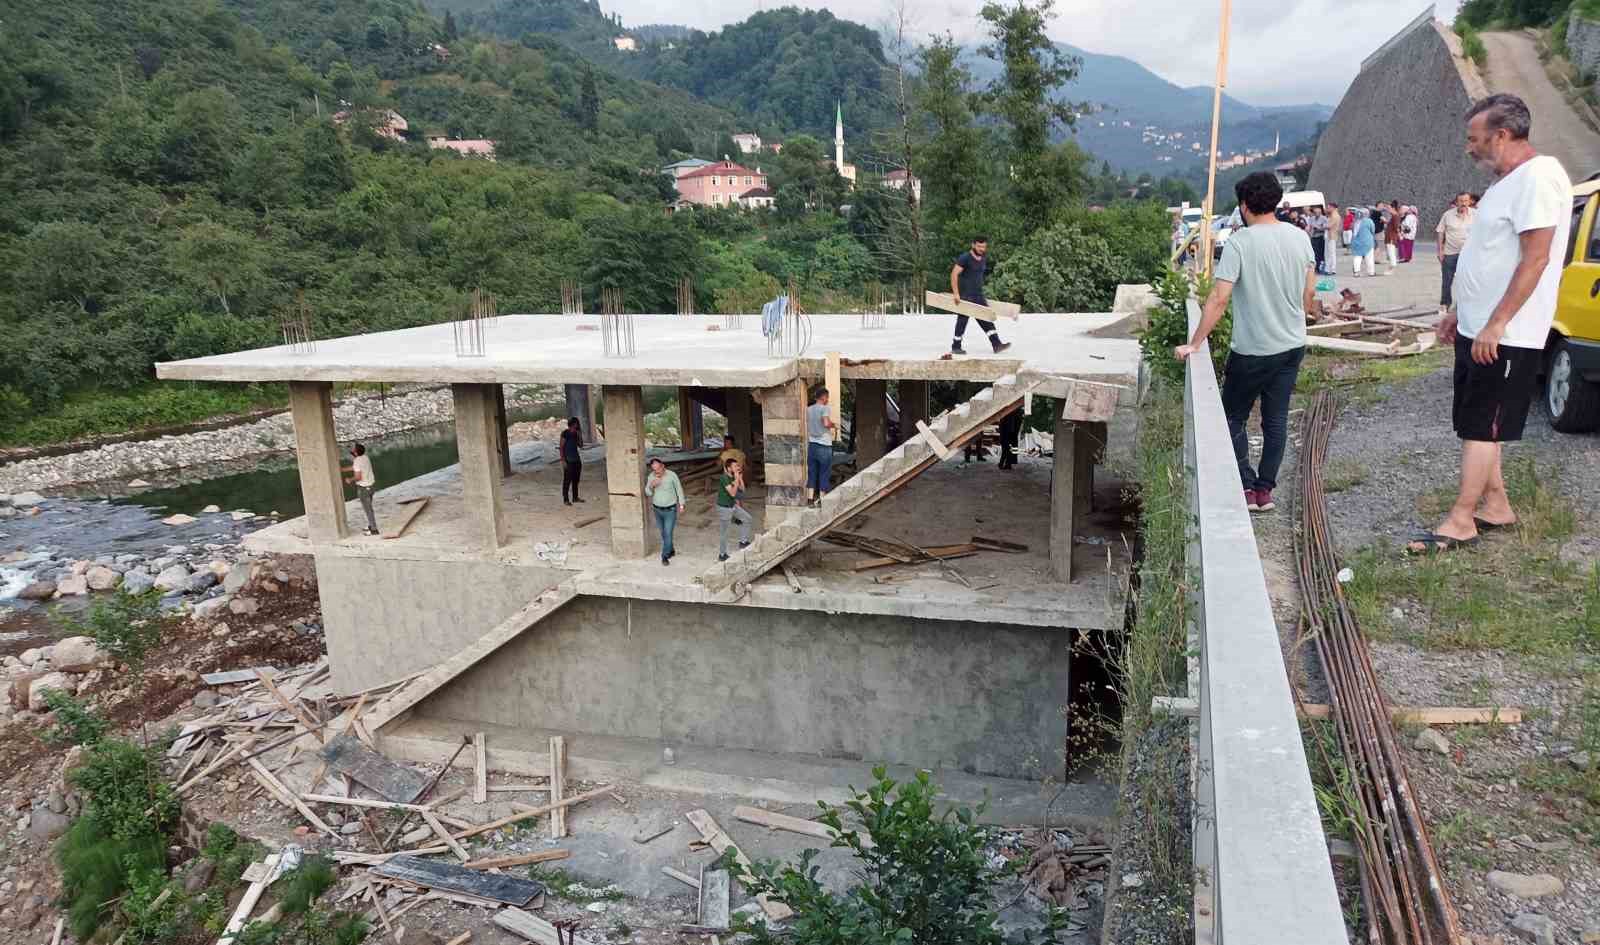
x=1572, y=355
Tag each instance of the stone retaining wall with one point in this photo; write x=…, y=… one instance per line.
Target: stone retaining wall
x=1397, y=133
x=1583, y=48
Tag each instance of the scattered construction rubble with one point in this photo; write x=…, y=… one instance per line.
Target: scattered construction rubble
x=1348, y=326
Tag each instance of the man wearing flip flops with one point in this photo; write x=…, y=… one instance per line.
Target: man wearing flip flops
x=1505, y=299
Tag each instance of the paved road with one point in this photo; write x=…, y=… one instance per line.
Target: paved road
x=1514, y=67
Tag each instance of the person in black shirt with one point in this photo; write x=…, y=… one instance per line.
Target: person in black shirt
x=571, y=461
x=1010, y=431
x=966, y=283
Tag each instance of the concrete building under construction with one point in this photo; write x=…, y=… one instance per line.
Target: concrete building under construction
x=523, y=617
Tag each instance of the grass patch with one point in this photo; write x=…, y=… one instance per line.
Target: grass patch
x=563, y=885
x=1512, y=592
x=98, y=412
x=1342, y=475
x=1362, y=381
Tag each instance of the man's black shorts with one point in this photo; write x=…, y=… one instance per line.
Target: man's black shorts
x=1492, y=400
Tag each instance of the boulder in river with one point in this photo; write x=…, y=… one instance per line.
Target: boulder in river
x=74, y=586
x=25, y=500
x=38, y=687
x=199, y=582
x=172, y=577
x=102, y=578
x=38, y=590
x=137, y=582
x=76, y=655
x=211, y=510
x=179, y=519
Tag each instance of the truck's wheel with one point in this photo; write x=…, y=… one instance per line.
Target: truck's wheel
x=1572, y=402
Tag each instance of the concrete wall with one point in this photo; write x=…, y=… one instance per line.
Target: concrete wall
x=1583, y=47
x=380, y=624
x=1398, y=131
x=983, y=698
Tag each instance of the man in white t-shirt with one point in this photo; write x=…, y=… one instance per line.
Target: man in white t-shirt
x=1505, y=297
x=360, y=474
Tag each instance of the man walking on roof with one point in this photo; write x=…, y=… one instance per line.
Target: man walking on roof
x=966, y=283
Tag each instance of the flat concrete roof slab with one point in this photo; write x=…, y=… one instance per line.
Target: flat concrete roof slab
x=685, y=351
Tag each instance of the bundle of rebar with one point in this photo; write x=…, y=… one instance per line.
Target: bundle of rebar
x=793, y=336
x=296, y=326
x=1403, y=894
x=873, y=313
x=571, y=297
x=913, y=301
x=685, y=295
x=468, y=330
x=616, y=325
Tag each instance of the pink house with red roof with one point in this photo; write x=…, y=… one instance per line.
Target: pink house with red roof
x=720, y=184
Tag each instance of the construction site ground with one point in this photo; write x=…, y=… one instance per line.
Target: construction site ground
x=946, y=505
x=610, y=880
x=1513, y=623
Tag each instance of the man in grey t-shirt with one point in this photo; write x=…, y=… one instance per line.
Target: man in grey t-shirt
x=1268, y=270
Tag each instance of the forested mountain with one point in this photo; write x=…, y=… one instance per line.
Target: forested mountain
x=172, y=179
x=782, y=70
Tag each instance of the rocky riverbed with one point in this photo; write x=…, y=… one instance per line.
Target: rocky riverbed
x=355, y=418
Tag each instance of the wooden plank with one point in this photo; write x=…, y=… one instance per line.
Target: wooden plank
x=811, y=828
x=1417, y=715
x=792, y=578
x=588, y=521
x=480, y=788
x=558, y=786
x=939, y=449
x=997, y=544
x=521, y=859
x=530, y=927
x=293, y=799
x=293, y=707
x=830, y=378
x=247, y=904
x=714, y=899
x=722, y=843
x=231, y=676
x=449, y=841
x=388, y=780
x=681, y=876
x=946, y=302
x=934, y=554
x=1394, y=349
x=413, y=509
x=461, y=939
x=435, y=874
x=536, y=811
x=653, y=829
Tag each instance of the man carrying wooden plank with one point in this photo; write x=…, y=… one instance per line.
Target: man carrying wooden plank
x=966, y=284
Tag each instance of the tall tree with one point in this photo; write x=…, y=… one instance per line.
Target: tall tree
x=450, y=30
x=949, y=162
x=1033, y=69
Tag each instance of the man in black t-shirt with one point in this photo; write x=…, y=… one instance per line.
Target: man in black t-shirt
x=571, y=461
x=966, y=283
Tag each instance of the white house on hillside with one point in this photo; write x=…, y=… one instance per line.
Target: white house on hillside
x=747, y=142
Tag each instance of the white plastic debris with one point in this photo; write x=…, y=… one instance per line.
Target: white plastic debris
x=1346, y=575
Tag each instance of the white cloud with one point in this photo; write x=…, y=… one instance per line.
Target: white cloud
x=1280, y=51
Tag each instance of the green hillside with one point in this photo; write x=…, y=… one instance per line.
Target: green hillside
x=173, y=180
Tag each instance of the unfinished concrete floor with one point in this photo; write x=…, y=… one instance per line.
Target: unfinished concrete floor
x=948, y=504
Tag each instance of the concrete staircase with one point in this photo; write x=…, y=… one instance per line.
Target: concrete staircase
x=769, y=549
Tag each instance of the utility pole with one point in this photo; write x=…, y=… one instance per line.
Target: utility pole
x=1216, y=122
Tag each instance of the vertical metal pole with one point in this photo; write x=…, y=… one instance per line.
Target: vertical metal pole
x=1216, y=122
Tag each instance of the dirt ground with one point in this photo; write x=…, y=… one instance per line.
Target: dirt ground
x=1514, y=622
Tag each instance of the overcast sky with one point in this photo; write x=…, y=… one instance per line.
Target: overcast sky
x=1282, y=51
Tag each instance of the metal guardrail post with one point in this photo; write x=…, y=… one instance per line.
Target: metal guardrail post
x=1261, y=858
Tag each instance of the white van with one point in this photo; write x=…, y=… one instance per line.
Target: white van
x=1301, y=199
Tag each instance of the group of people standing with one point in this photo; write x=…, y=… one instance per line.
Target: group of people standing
x=1388, y=230
x=1502, y=262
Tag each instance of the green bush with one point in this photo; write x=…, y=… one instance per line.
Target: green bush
x=95, y=871
x=127, y=626
x=1472, y=44
x=128, y=797
x=95, y=412
x=1169, y=327
x=926, y=876
x=74, y=724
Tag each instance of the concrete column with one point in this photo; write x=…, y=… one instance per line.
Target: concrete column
x=872, y=422
x=691, y=428
x=317, y=454
x=631, y=534
x=1089, y=445
x=740, y=408
x=1063, y=500
x=478, y=443
x=580, y=404
x=502, y=424
x=784, y=449
x=913, y=399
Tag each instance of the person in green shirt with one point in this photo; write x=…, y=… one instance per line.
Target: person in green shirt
x=666, y=500
x=730, y=486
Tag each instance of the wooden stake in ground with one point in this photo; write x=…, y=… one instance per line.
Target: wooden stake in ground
x=721, y=842
x=480, y=791
x=558, y=785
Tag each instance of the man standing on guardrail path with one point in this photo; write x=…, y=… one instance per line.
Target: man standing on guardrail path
x=1506, y=283
x=1269, y=272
